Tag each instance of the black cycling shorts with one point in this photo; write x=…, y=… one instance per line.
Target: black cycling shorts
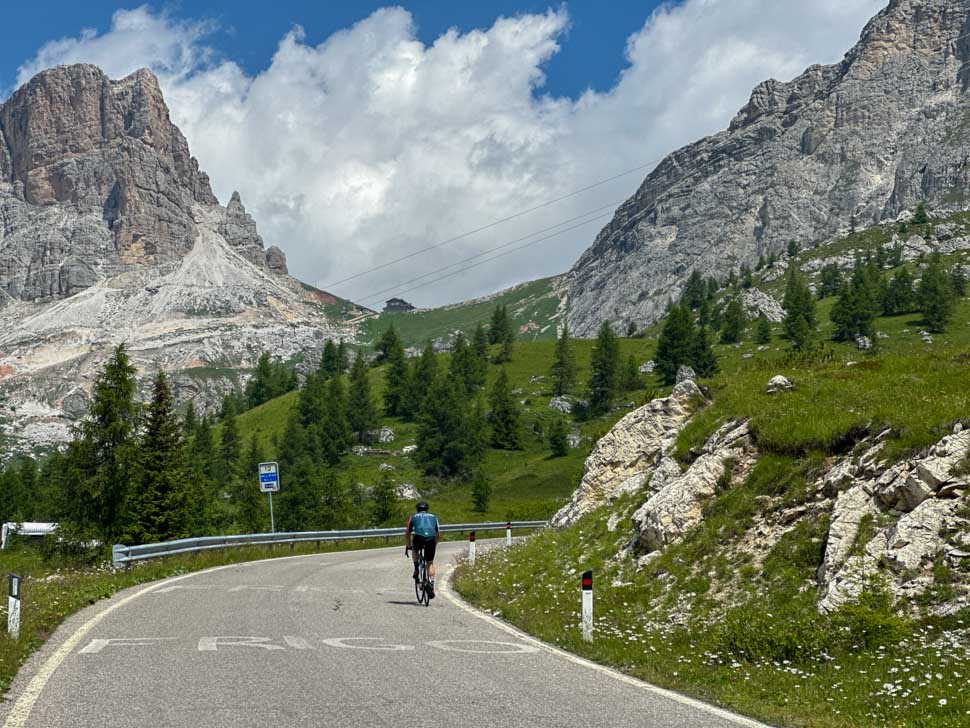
x=428, y=544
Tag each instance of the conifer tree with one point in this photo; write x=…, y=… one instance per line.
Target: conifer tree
x=463, y=366
x=830, y=281
x=694, y=291
x=747, y=279
x=761, y=263
x=343, y=357
x=674, y=344
x=335, y=508
x=190, y=422
x=899, y=296
x=385, y=507
x=481, y=491
x=311, y=398
x=248, y=499
x=397, y=381
x=449, y=436
x=935, y=295
x=423, y=374
x=713, y=286
x=920, y=217
x=958, y=282
x=604, y=380
x=563, y=371
x=388, y=342
x=859, y=303
x=361, y=412
x=101, y=459
x=480, y=348
x=504, y=415
x=763, y=330
x=335, y=430
x=800, y=314
x=160, y=503
x=702, y=357
x=558, y=438
x=299, y=501
x=732, y=327
x=202, y=454
x=329, y=360
x=792, y=248
x=630, y=375
x=230, y=448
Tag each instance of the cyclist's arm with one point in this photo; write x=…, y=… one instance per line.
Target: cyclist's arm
x=437, y=531
x=407, y=534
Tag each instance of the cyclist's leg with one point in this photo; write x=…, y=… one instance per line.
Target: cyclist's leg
x=429, y=552
x=414, y=558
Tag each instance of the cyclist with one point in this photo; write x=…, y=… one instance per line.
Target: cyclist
x=422, y=533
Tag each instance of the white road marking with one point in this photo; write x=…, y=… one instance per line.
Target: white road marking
x=342, y=642
x=663, y=692
x=212, y=644
x=246, y=587
x=95, y=646
x=297, y=643
x=176, y=587
x=20, y=712
x=458, y=646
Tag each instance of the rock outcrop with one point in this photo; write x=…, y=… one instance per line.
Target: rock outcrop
x=632, y=452
x=863, y=140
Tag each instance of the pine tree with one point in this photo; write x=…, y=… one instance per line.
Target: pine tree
x=761, y=263
x=747, y=280
x=504, y=415
x=463, y=366
x=361, y=412
x=329, y=360
x=958, y=282
x=311, y=399
x=343, y=357
x=702, y=357
x=859, y=303
x=388, y=342
x=830, y=281
x=674, y=344
x=481, y=491
x=899, y=296
x=694, y=291
x=101, y=459
x=558, y=438
x=800, y=313
x=335, y=429
x=792, y=248
x=449, y=437
x=920, y=217
x=480, y=347
x=190, y=422
x=299, y=500
x=259, y=389
x=397, y=381
x=230, y=449
x=563, y=371
x=385, y=507
x=500, y=325
x=604, y=378
x=713, y=286
x=732, y=327
x=160, y=505
x=936, y=299
x=423, y=374
x=763, y=331
x=630, y=375
x=335, y=508
x=202, y=454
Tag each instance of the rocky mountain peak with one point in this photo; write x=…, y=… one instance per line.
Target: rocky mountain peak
x=861, y=140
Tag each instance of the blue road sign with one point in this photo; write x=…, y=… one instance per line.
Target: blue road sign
x=269, y=477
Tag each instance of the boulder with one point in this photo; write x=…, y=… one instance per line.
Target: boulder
x=863, y=342
x=648, y=367
x=685, y=374
x=779, y=383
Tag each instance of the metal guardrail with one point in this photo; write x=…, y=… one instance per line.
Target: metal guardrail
x=122, y=555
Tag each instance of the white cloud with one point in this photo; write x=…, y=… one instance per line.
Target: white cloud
x=372, y=145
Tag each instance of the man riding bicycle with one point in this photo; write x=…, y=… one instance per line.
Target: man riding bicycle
x=422, y=533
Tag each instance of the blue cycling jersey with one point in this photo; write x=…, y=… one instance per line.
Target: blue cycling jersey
x=424, y=524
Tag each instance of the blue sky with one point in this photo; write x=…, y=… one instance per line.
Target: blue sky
x=248, y=31
x=375, y=131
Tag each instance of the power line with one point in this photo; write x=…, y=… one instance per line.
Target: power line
x=375, y=294
x=492, y=224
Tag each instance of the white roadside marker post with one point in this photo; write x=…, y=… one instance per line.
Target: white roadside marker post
x=13, y=607
x=588, y=606
x=508, y=533
x=471, y=548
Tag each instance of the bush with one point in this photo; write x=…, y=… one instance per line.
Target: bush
x=870, y=622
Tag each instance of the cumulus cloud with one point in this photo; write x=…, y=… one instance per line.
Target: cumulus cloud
x=372, y=144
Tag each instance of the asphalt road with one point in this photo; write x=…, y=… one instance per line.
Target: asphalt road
x=329, y=639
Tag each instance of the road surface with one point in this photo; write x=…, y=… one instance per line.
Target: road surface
x=328, y=639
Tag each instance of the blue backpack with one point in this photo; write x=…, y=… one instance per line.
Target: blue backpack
x=424, y=524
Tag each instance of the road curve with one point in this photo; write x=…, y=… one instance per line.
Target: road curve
x=326, y=639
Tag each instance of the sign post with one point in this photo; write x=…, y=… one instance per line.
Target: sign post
x=269, y=482
x=471, y=548
x=508, y=533
x=13, y=607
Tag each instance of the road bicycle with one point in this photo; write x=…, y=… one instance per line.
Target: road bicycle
x=422, y=585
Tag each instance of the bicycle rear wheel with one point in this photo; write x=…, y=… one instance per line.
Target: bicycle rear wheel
x=419, y=587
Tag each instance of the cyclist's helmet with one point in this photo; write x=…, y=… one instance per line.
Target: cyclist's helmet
x=422, y=506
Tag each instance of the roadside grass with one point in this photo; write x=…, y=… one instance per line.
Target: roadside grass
x=702, y=620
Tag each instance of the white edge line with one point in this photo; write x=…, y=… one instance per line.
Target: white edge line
x=24, y=704
x=615, y=674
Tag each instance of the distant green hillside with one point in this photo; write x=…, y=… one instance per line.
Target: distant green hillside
x=535, y=309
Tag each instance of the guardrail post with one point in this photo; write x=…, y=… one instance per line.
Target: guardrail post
x=118, y=554
x=471, y=548
x=13, y=607
x=508, y=533
x=588, y=606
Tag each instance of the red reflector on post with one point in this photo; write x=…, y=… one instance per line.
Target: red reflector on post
x=471, y=536
x=587, y=580
x=508, y=525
